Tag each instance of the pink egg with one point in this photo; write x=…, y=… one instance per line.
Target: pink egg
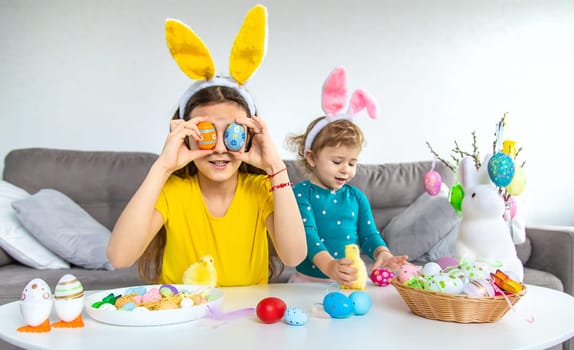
x=382, y=277
x=407, y=271
x=447, y=261
x=432, y=182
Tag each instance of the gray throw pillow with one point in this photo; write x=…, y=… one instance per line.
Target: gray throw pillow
x=65, y=228
x=422, y=226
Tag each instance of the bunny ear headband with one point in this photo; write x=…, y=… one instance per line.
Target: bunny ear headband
x=194, y=59
x=334, y=99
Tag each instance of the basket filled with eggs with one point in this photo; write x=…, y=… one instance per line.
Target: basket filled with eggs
x=464, y=293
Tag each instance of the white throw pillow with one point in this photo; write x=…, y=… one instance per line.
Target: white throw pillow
x=16, y=240
x=65, y=228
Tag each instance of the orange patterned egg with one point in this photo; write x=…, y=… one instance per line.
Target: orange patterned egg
x=208, y=135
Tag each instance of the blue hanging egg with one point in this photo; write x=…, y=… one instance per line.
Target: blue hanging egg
x=234, y=136
x=338, y=305
x=361, y=302
x=501, y=169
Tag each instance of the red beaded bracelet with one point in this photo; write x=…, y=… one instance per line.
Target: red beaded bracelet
x=275, y=173
x=281, y=185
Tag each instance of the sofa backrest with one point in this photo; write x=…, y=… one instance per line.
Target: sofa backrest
x=100, y=182
x=103, y=182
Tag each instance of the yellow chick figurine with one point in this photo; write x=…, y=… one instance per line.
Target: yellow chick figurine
x=201, y=273
x=353, y=252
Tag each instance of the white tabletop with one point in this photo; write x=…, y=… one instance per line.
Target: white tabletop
x=388, y=324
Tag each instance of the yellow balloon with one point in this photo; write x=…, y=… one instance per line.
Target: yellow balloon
x=516, y=186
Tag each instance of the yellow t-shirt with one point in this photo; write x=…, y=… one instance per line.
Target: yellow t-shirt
x=237, y=241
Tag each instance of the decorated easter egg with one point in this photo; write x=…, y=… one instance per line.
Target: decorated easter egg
x=208, y=135
x=501, y=169
x=447, y=261
x=479, y=288
x=431, y=268
x=444, y=283
x=475, y=270
x=361, y=302
x=338, y=305
x=68, y=298
x=432, y=182
x=455, y=196
x=456, y=272
x=295, y=316
x=510, y=208
x=518, y=182
x=270, y=309
x=382, y=277
x=406, y=272
x=36, y=302
x=234, y=136
x=168, y=290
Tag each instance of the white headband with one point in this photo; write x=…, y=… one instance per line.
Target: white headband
x=334, y=99
x=216, y=81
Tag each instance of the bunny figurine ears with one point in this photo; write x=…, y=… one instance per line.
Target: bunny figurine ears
x=194, y=59
x=334, y=99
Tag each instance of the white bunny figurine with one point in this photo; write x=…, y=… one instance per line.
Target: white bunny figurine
x=483, y=233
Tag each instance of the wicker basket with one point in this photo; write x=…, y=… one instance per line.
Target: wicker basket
x=455, y=308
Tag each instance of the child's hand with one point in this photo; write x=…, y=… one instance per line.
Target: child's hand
x=385, y=259
x=175, y=154
x=340, y=270
x=263, y=153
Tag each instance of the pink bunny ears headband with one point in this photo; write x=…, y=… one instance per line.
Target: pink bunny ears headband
x=334, y=99
x=194, y=59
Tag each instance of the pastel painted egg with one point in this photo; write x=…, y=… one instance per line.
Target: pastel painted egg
x=501, y=169
x=234, y=136
x=457, y=273
x=338, y=305
x=447, y=261
x=432, y=182
x=455, y=196
x=518, y=182
x=475, y=270
x=68, y=298
x=479, y=288
x=295, y=316
x=361, y=302
x=406, y=272
x=208, y=135
x=36, y=302
x=168, y=290
x=382, y=277
x=444, y=283
x=430, y=269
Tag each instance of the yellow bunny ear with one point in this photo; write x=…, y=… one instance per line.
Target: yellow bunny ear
x=189, y=51
x=249, y=46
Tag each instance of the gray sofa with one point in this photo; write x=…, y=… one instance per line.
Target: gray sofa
x=102, y=183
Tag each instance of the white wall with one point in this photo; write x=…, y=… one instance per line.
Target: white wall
x=96, y=75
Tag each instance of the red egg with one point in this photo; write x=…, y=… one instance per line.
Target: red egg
x=270, y=309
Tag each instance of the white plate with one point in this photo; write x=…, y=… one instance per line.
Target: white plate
x=151, y=318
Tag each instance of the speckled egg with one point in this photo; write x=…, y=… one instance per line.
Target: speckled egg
x=444, y=283
x=68, y=298
x=208, y=135
x=382, y=277
x=430, y=269
x=475, y=270
x=234, y=136
x=36, y=302
x=406, y=272
x=338, y=305
x=295, y=316
x=501, y=169
x=432, y=182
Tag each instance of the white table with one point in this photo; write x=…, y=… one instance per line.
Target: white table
x=389, y=324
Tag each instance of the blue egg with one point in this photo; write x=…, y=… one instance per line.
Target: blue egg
x=501, y=169
x=361, y=302
x=234, y=136
x=295, y=316
x=338, y=305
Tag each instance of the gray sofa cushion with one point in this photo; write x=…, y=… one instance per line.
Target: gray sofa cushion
x=5, y=259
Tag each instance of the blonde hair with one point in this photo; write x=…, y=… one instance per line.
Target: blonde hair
x=341, y=132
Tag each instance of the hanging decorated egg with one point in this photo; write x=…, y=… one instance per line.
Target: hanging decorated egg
x=234, y=136
x=455, y=196
x=518, y=182
x=510, y=208
x=501, y=169
x=338, y=305
x=432, y=182
x=208, y=135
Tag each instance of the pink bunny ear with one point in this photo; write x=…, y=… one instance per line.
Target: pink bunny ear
x=335, y=92
x=361, y=99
